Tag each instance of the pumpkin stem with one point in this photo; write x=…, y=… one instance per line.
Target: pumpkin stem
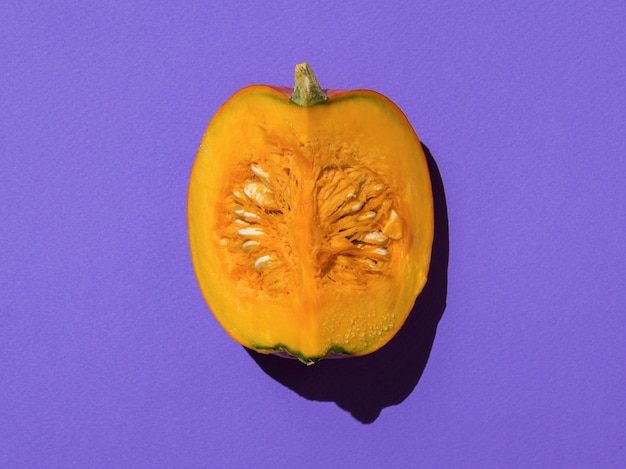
x=307, y=90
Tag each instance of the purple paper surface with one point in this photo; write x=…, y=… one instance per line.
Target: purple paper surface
x=109, y=356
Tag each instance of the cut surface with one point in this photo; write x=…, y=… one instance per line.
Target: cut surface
x=310, y=228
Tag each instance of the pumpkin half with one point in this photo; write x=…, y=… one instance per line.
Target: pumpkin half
x=310, y=219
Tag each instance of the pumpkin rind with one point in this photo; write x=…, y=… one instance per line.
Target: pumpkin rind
x=310, y=227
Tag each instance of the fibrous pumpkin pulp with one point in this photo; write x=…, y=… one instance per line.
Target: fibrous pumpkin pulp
x=310, y=219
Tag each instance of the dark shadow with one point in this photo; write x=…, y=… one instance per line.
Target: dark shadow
x=365, y=385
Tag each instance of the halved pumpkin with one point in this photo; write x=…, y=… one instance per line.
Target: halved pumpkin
x=310, y=219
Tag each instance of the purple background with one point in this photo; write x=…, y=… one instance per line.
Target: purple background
x=109, y=356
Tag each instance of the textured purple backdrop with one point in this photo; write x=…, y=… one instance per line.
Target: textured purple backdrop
x=109, y=356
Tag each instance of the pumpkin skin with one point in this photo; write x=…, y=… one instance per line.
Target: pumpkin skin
x=310, y=219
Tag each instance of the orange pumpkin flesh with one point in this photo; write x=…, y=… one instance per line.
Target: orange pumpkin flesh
x=310, y=224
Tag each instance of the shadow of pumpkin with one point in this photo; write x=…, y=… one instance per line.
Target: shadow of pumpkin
x=365, y=385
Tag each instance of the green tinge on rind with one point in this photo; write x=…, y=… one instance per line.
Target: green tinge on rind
x=282, y=349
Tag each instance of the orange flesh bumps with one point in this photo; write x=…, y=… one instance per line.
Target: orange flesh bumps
x=310, y=227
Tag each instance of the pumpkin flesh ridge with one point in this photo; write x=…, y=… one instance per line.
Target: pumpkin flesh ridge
x=321, y=237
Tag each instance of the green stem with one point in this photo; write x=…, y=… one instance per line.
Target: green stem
x=307, y=90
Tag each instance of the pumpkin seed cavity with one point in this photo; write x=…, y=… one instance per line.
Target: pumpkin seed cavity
x=357, y=226
x=360, y=226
